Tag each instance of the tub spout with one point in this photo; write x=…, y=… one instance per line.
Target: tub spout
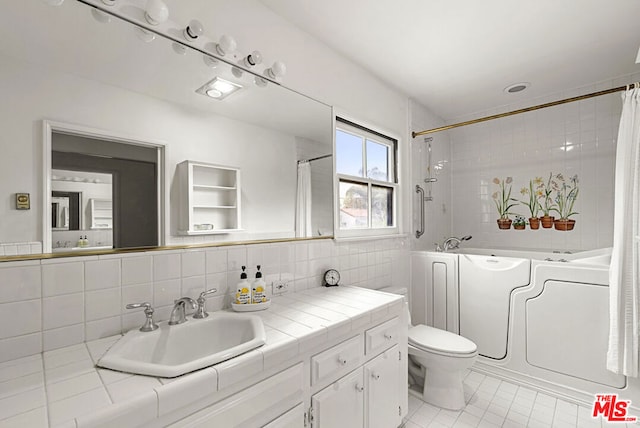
x=453, y=243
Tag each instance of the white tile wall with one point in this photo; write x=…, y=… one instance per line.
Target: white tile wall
x=575, y=138
x=53, y=303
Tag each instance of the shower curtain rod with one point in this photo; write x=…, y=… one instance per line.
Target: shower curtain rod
x=523, y=110
x=315, y=159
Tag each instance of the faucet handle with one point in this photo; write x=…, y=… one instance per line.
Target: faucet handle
x=201, y=312
x=149, y=324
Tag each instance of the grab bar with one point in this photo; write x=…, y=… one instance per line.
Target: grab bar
x=420, y=231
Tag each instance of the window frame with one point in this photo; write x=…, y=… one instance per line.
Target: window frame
x=367, y=134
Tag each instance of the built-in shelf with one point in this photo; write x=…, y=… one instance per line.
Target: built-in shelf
x=101, y=213
x=209, y=199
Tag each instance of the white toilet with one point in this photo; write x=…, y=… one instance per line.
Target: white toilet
x=442, y=358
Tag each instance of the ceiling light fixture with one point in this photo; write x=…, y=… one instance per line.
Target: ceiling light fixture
x=193, y=30
x=109, y=2
x=53, y=2
x=218, y=88
x=516, y=87
x=638, y=57
x=156, y=12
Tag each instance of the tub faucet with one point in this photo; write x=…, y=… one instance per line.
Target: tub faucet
x=453, y=243
x=178, y=315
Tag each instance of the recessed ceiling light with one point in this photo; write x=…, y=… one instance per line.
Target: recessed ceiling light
x=517, y=87
x=218, y=88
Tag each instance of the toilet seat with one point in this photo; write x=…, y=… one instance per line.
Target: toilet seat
x=441, y=342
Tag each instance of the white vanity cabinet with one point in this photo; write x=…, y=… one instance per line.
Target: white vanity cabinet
x=369, y=396
x=366, y=397
x=210, y=197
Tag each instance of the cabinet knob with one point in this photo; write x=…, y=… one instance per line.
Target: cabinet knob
x=342, y=361
x=375, y=376
x=388, y=336
x=359, y=387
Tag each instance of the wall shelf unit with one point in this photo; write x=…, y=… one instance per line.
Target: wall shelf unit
x=101, y=213
x=209, y=198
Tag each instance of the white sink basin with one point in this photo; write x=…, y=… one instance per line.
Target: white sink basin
x=173, y=350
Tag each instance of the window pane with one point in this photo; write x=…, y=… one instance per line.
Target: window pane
x=377, y=161
x=381, y=206
x=354, y=205
x=349, y=154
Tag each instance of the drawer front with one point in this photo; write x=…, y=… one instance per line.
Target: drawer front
x=382, y=337
x=326, y=364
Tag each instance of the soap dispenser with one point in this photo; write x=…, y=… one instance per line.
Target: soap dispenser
x=259, y=289
x=243, y=293
x=80, y=242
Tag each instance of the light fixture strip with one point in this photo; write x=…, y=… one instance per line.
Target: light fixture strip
x=169, y=24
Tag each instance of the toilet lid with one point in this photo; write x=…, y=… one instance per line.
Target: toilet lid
x=423, y=336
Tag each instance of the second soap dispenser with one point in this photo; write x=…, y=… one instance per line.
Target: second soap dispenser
x=259, y=289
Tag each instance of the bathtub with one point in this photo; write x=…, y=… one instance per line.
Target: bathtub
x=539, y=318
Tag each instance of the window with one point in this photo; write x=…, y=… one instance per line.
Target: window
x=366, y=179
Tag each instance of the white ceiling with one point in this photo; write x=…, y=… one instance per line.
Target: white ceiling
x=456, y=57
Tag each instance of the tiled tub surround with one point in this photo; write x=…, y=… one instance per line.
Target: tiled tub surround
x=52, y=303
x=63, y=388
x=576, y=138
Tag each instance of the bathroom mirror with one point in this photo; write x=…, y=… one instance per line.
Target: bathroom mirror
x=75, y=65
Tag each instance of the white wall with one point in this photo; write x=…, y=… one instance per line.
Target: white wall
x=438, y=211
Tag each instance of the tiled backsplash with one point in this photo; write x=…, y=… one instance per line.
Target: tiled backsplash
x=51, y=303
x=20, y=248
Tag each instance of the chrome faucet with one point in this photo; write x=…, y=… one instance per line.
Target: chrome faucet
x=178, y=314
x=149, y=324
x=452, y=243
x=202, y=300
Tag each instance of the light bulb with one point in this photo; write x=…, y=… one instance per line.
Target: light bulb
x=193, y=30
x=144, y=35
x=100, y=16
x=210, y=61
x=253, y=59
x=227, y=44
x=156, y=12
x=278, y=69
x=259, y=81
x=179, y=49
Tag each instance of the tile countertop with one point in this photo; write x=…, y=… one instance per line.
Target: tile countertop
x=63, y=388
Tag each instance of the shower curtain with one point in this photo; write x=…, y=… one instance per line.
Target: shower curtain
x=624, y=290
x=303, y=201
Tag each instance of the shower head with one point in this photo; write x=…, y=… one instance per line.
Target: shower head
x=465, y=238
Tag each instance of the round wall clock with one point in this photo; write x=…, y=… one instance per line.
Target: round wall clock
x=331, y=278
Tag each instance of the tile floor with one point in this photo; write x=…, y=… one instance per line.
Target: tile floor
x=496, y=403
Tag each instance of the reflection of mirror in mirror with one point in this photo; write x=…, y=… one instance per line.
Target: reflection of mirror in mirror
x=80, y=206
x=101, y=76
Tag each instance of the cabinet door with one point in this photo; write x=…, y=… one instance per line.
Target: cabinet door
x=382, y=390
x=341, y=404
